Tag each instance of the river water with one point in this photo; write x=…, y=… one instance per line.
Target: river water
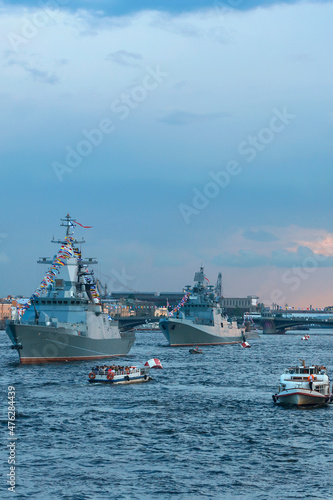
x=205, y=427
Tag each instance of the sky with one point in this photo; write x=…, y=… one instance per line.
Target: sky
x=186, y=133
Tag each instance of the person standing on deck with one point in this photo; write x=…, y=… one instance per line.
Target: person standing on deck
x=310, y=379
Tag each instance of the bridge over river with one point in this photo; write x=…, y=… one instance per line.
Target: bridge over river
x=127, y=323
x=280, y=322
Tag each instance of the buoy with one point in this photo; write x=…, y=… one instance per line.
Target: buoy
x=245, y=345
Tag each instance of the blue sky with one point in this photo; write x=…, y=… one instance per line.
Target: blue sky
x=183, y=132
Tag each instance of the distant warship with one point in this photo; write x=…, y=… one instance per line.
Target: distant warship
x=200, y=321
x=63, y=320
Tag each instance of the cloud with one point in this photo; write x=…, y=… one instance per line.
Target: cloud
x=244, y=258
x=105, y=7
x=301, y=58
x=125, y=58
x=259, y=236
x=179, y=117
x=37, y=74
x=177, y=26
x=304, y=257
x=150, y=168
x=42, y=76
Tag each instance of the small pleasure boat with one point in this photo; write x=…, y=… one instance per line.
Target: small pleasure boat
x=120, y=375
x=195, y=350
x=303, y=386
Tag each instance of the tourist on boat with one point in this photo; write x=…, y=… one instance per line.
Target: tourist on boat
x=310, y=379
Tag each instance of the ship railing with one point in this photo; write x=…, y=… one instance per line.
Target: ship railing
x=314, y=370
x=318, y=387
x=131, y=371
x=299, y=378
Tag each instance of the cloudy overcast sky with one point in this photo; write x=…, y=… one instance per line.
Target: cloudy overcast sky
x=184, y=132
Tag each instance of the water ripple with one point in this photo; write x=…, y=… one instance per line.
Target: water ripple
x=205, y=427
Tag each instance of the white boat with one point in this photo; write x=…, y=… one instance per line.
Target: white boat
x=303, y=386
x=120, y=375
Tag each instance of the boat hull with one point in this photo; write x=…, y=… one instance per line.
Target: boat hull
x=128, y=376
x=301, y=398
x=180, y=332
x=42, y=344
x=134, y=380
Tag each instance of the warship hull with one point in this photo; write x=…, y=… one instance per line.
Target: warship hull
x=43, y=344
x=185, y=333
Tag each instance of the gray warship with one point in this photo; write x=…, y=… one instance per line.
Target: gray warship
x=64, y=319
x=199, y=320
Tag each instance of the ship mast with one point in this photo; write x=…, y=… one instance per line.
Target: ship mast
x=68, y=222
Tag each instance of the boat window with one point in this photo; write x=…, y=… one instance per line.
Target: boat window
x=43, y=302
x=72, y=301
x=77, y=302
x=49, y=302
x=60, y=302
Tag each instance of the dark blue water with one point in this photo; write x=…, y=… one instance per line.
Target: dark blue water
x=205, y=427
